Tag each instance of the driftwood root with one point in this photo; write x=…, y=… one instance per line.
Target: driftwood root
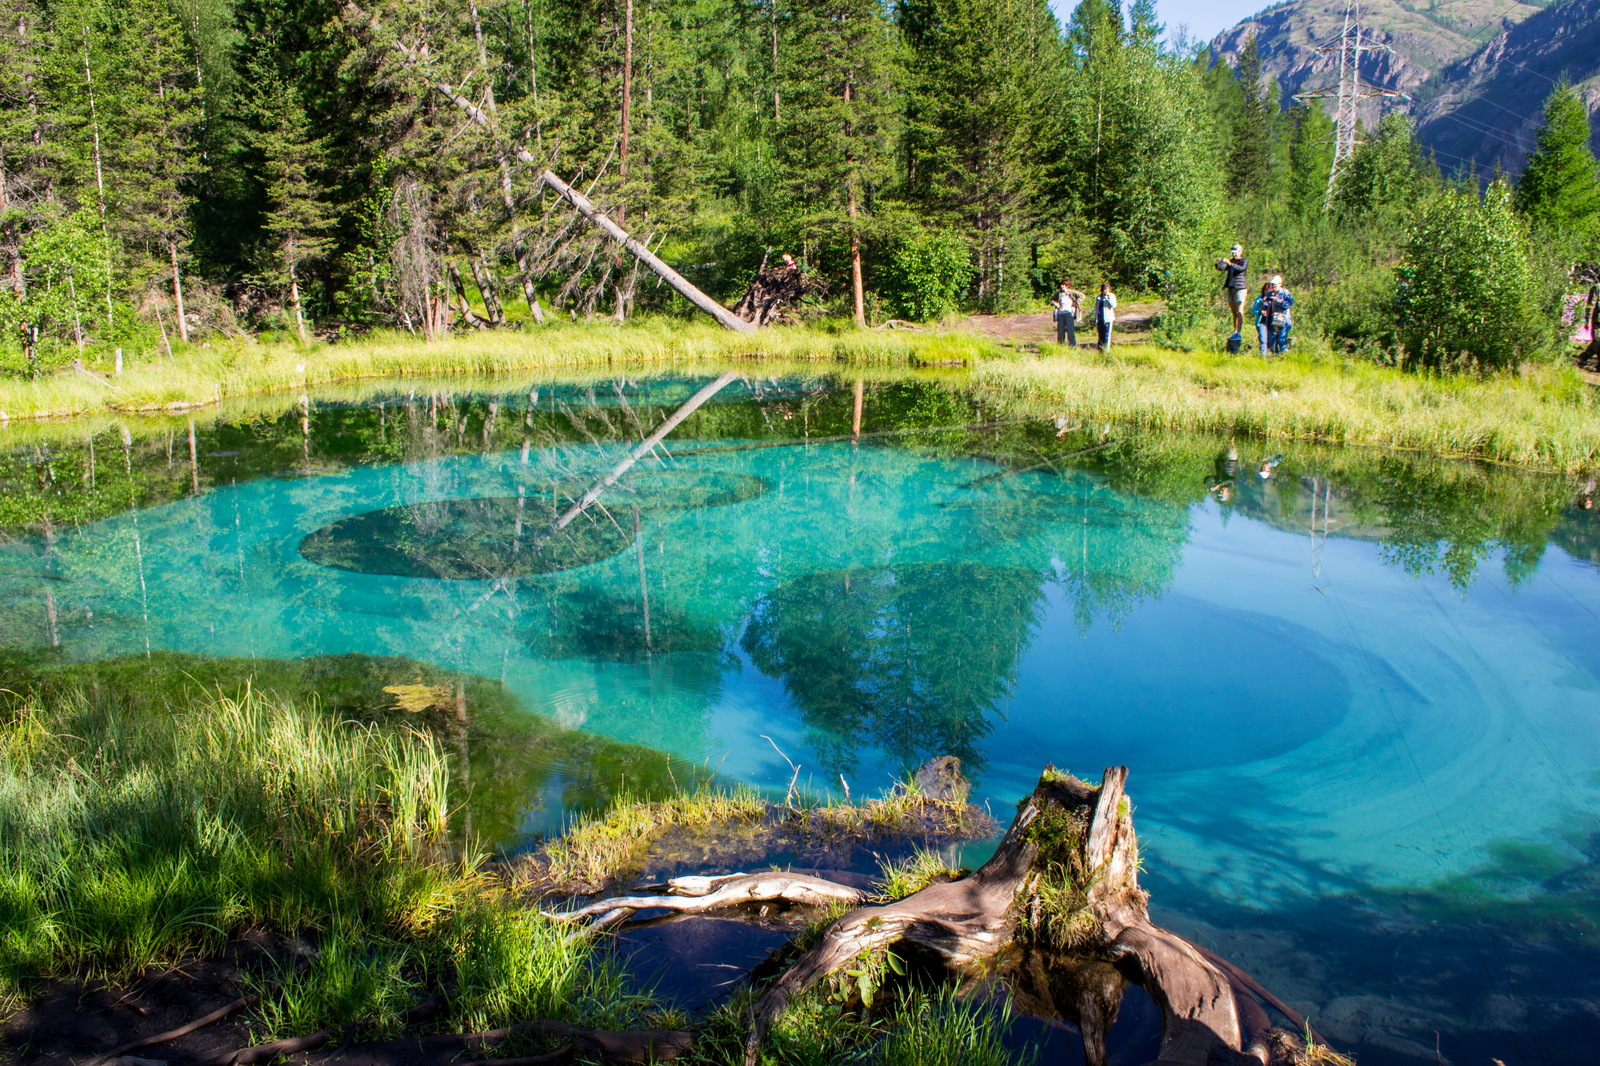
x=697, y=895
x=1069, y=841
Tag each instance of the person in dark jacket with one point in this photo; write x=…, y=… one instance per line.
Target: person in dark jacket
x=1105, y=315
x=1234, y=283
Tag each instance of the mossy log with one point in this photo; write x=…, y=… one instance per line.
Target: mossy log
x=1064, y=877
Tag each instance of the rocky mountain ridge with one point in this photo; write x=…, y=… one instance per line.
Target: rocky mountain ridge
x=1477, y=72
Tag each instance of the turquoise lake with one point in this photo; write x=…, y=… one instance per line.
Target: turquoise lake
x=1359, y=695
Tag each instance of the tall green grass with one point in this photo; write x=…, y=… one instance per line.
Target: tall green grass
x=215, y=371
x=132, y=836
x=124, y=839
x=1546, y=417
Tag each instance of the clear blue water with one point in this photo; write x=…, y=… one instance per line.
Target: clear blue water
x=1368, y=773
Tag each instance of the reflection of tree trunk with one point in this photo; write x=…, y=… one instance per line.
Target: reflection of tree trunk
x=644, y=587
x=644, y=447
x=49, y=593
x=1086, y=992
x=855, y=415
x=194, y=463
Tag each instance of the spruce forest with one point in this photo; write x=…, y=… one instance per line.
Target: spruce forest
x=174, y=169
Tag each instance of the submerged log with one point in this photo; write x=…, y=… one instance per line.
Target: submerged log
x=1064, y=877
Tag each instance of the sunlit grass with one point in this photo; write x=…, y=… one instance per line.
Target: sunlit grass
x=134, y=835
x=218, y=370
x=1546, y=417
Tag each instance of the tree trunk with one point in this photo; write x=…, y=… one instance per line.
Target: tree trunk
x=11, y=248
x=294, y=299
x=777, y=96
x=858, y=304
x=177, y=297
x=468, y=315
x=483, y=275
x=623, y=292
x=99, y=173
x=678, y=282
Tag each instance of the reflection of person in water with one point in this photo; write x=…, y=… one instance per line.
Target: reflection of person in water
x=1220, y=483
x=1268, y=466
x=1586, y=496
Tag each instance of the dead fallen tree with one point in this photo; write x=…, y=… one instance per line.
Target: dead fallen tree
x=775, y=291
x=418, y=58
x=697, y=895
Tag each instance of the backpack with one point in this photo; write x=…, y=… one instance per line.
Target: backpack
x=1235, y=342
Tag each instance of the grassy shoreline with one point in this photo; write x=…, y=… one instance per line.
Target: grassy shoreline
x=210, y=374
x=1545, y=418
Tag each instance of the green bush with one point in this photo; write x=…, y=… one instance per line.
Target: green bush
x=1467, y=292
x=927, y=273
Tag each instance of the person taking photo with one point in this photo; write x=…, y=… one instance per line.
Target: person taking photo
x=1234, y=269
x=1066, y=303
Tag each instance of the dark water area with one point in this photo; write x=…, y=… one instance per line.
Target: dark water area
x=1358, y=692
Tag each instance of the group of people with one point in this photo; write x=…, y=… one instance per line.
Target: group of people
x=1068, y=305
x=1271, y=311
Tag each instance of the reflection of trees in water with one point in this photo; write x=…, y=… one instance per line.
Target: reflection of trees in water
x=910, y=658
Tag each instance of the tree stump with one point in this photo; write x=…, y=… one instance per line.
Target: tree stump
x=1064, y=882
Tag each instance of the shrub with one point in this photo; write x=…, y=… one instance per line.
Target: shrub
x=1466, y=286
x=927, y=273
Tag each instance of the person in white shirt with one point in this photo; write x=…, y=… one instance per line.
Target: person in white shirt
x=1105, y=307
x=1066, y=306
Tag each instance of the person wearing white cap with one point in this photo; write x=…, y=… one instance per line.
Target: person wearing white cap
x=1234, y=284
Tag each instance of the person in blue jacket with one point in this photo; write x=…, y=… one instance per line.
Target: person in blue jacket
x=1271, y=314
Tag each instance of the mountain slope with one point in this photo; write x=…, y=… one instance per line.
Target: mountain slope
x=1425, y=38
x=1485, y=108
x=1478, y=71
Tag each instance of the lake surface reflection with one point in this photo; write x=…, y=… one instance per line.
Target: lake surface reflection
x=1359, y=694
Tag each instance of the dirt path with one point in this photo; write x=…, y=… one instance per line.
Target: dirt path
x=1036, y=330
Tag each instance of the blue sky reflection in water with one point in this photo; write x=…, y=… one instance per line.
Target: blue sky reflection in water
x=1376, y=789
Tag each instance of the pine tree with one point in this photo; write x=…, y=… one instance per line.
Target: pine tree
x=833, y=142
x=987, y=90
x=1560, y=187
x=296, y=218
x=1310, y=159
x=24, y=176
x=1250, y=163
x=154, y=109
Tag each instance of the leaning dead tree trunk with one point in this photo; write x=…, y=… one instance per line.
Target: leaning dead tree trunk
x=584, y=207
x=1065, y=874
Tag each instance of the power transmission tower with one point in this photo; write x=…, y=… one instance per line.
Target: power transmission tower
x=1349, y=92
